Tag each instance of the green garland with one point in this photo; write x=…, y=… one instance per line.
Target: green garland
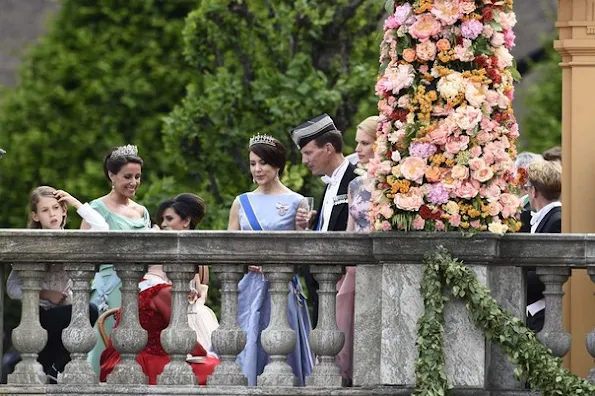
x=534, y=362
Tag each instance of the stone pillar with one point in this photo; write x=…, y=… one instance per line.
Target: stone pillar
x=367, y=326
x=508, y=288
x=178, y=339
x=278, y=339
x=129, y=337
x=553, y=335
x=228, y=339
x=590, y=340
x=79, y=338
x=576, y=45
x=29, y=338
x=392, y=304
x=326, y=340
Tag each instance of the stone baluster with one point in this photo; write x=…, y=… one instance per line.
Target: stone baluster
x=79, y=337
x=178, y=339
x=278, y=339
x=553, y=335
x=326, y=340
x=129, y=338
x=29, y=338
x=590, y=340
x=228, y=339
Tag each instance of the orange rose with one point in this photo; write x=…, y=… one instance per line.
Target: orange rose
x=443, y=45
x=433, y=174
x=409, y=54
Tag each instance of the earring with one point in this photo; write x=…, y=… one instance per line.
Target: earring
x=113, y=187
x=254, y=180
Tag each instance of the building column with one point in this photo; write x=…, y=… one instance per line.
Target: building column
x=576, y=45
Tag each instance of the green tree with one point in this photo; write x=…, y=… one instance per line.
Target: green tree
x=105, y=74
x=543, y=100
x=263, y=67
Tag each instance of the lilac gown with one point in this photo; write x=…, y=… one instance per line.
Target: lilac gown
x=275, y=213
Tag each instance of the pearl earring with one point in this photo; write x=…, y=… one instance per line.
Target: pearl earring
x=254, y=180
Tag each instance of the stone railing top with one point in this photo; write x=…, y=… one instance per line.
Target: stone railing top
x=341, y=248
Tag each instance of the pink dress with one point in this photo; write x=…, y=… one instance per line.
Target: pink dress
x=359, y=206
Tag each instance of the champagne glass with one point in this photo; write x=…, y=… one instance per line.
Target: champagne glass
x=310, y=209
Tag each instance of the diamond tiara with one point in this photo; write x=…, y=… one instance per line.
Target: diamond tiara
x=124, y=151
x=262, y=139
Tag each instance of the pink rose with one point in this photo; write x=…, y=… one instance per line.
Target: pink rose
x=507, y=20
x=418, y=223
x=448, y=11
x=510, y=204
x=439, y=225
x=438, y=136
x=426, y=50
x=483, y=175
x=466, y=190
x=386, y=211
x=497, y=39
x=424, y=27
x=411, y=201
x=455, y=220
x=475, y=224
x=476, y=163
x=409, y=55
x=475, y=151
x=483, y=137
x=509, y=38
x=413, y=168
x=491, y=192
x=494, y=208
x=459, y=172
x=467, y=7
x=467, y=117
x=391, y=23
x=456, y=144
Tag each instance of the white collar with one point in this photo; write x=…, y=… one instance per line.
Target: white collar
x=337, y=175
x=536, y=217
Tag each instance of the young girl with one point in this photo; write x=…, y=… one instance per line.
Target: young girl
x=48, y=211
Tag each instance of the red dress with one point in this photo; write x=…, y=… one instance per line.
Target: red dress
x=153, y=358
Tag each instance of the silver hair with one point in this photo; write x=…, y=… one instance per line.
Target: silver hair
x=525, y=158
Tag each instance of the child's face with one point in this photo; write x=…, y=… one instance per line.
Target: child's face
x=49, y=214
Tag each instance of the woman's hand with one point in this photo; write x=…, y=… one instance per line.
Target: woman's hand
x=63, y=196
x=303, y=219
x=255, y=268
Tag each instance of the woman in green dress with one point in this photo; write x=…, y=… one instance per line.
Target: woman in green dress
x=123, y=168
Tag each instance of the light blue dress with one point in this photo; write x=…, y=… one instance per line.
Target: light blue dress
x=274, y=213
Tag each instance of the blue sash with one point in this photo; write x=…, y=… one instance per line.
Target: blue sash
x=249, y=212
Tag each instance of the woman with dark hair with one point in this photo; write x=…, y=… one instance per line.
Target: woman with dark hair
x=123, y=169
x=270, y=207
x=184, y=212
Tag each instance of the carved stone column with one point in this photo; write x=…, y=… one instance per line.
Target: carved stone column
x=278, y=339
x=590, y=340
x=29, y=337
x=178, y=339
x=326, y=340
x=79, y=338
x=129, y=337
x=553, y=335
x=228, y=339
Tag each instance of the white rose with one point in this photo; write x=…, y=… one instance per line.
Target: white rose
x=497, y=228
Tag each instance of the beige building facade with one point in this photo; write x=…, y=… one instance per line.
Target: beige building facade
x=576, y=45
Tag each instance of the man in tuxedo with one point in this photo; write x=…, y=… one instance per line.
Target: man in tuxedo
x=544, y=187
x=321, y=145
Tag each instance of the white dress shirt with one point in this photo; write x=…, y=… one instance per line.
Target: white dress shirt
x=536, y=218
x=333, y=183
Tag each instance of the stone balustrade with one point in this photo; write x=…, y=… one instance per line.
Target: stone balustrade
x=388, y=305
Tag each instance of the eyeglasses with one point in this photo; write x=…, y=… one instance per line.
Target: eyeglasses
x=527, y=186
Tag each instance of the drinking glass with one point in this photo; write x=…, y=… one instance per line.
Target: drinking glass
x=310, y=209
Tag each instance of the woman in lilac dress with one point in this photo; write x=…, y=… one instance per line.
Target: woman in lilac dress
x=358, y=195
x=271, y=207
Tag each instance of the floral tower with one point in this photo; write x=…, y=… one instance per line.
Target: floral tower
x=446, y=141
